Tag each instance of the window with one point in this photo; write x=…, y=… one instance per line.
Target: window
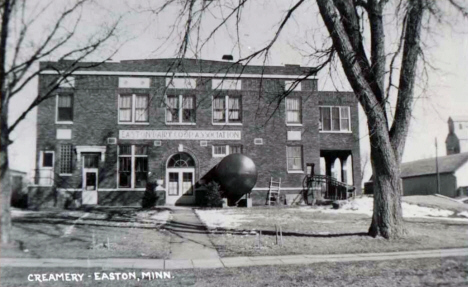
x=66, y=159
x=91, y=160
x=133, y=108
x=47, y=159
x=141, y=165
x=235, y=149
x=224, y=150
x=220, y=150
x=294, y=155
x=133, y=166
x=65, y=108
x=227, y=109
x=180, y=109
x=335, y=119
x=293, y=110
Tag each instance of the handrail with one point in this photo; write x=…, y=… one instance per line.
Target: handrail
x=326, y=187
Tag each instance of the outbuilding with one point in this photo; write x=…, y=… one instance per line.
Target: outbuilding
x=420, y=177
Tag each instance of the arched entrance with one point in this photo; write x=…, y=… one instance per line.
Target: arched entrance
x=180, y=179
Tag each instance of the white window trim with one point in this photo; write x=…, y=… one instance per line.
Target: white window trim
x=226, y=106
x=302, y=160
x=349, y=131
x=132, y=157
x=132, y=122
x=56, y=112
x=286, y=113
x=180, y=123
x=288, y=85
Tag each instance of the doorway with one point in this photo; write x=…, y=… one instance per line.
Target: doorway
x=90, y=172
x=180, y=180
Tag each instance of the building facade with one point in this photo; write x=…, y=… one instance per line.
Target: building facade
x=109, y=128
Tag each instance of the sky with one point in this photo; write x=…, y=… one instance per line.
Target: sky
x=144, y=34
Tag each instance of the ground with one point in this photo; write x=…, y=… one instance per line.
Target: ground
x=323, y=230
x=414, y=272
x=135, y=233
x=97, y=233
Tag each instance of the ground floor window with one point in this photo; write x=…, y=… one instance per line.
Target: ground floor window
x=66, y=159
x=133, y=166
x=224, y=150
x=294, y=155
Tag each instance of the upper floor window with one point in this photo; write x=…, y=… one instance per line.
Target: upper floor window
x=65, y=108
x=133, y=108
x=335, y=119
x=293, y=110
x=227, y=109
x=180, y=109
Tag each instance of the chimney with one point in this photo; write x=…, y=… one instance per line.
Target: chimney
x=228, y=57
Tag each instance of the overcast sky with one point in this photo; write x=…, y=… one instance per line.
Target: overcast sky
x=145, y=35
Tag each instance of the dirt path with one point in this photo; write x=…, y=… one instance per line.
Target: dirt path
x=189, y=236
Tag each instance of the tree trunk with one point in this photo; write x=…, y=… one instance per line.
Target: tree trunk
x=387, y=218
x=5, y=179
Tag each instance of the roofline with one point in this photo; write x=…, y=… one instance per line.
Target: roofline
x=171, y=74
x=425, y=174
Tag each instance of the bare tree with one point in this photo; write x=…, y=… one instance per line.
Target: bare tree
x=20, y=53
x=383, y=81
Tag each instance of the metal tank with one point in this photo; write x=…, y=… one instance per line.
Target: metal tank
x=237, y=175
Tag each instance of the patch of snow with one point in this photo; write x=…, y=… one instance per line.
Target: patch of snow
x=160, y=216
x=463, y=213
x=222, y=218
x=412, y=210
x=365, y=205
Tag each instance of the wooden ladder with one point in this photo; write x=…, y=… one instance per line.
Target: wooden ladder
x=274, y=191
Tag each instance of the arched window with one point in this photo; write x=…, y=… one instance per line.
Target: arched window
x=181, y=160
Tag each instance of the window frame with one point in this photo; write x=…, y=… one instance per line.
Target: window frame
x=132, y=157
x=57, y=120
x=300, y=111
x=226, y=111
x=180, y=110
x=330, y=108
x=133, y=109
x=302, y=159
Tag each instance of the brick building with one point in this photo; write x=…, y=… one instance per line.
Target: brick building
x=109, y=127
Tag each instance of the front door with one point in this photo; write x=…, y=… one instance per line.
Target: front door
x=90, y=173
x=180, y=183
x=180, y=179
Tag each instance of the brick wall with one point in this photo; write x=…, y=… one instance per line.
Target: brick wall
x=95, y=119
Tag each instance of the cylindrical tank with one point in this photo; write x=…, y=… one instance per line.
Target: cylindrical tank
x=237, y=175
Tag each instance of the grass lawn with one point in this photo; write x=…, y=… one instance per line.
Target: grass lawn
x=410, y=272
x=316, y=232
x=125, y=233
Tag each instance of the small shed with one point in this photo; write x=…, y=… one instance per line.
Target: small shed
x=420, y=177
